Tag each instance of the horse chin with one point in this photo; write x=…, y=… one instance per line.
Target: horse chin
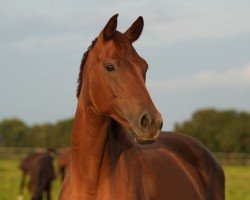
x=143, y=142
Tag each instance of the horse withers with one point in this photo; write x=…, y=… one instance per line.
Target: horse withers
x=39, y=167
x=117, y=149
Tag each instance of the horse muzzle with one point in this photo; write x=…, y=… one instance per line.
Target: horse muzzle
x=148, y=129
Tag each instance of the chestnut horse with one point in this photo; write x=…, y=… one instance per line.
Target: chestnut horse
x=25, y=169
x=39, y=167
x=115, y=150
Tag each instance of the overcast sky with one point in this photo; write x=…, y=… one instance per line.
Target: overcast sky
x=198, y=53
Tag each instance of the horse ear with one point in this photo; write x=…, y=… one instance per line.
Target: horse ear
x=110, y=28
x=135, y=30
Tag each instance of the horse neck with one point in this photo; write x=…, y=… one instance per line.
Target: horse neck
x=89, y=147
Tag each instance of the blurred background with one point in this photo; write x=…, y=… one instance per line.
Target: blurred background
x=198, y=77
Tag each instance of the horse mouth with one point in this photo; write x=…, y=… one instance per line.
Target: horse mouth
x=141, y=139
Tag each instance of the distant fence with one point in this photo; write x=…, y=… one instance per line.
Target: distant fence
x=20, y=152
x=223, y=158
x=233, y=158
x=17, y=152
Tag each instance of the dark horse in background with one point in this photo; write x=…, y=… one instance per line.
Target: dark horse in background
x=117, y=149
x=63, y=162
x=39, y=167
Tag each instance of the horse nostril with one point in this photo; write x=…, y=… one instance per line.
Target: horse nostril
x=161, y=126
x=145, y=121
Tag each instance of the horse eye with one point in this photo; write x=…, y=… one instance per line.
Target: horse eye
x=110, y=68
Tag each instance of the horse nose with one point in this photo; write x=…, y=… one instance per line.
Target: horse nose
x=145, y=121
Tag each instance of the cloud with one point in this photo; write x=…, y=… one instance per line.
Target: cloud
x=28, y=43
x=203, y=20
x=237, y=78
x=165, y=21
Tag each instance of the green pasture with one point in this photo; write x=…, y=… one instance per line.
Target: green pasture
x=237, y=181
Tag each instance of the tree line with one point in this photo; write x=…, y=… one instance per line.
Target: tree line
x=219, y=130
x=16, y=133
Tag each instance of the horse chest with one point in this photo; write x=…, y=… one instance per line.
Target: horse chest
x=120, y=188
x=129, y=180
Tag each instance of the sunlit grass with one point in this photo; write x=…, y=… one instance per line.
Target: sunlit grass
x=237, y=182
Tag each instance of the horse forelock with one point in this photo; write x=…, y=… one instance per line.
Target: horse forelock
x=123, y=46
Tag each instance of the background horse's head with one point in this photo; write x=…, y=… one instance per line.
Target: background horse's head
x=114, y=82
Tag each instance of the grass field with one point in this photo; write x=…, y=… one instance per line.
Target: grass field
x=237, y=182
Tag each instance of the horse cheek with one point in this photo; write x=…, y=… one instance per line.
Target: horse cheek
x=99, y=97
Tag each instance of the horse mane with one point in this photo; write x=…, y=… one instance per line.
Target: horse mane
x=84, y=58
x=119, y=141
